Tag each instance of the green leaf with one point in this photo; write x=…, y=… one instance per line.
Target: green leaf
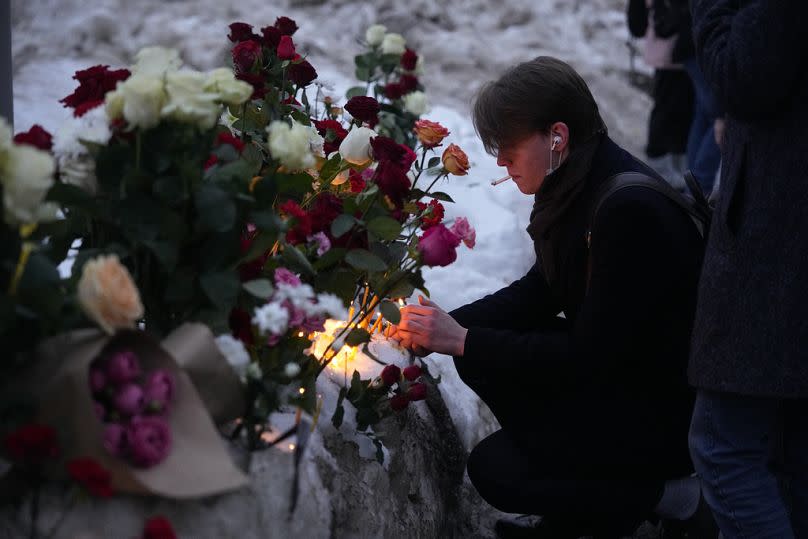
x=167, y=253
x=342, y=224
x=331, y=168
x=364, y=260
x=215, y=210
x=341, y=282
x=402, y=289
x=362, y=73
x=339, y=412
x=262, y=243
x=357, y=336
x=439, y=195
x=266, y=220
x=221, y=288
x=71, y=196
x=329, y=258
x=355, y=91
x=385, y=228
x=260, y=288
x=390, y=311
x=433, y=162
x=357, y=387
x=297, y=260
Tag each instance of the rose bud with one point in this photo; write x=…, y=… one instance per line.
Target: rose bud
x=363, y=108
x=286, y=48
x=97, y=379
x=158, y=390
x=149, y=440
x=122, y=367
x=398, y=402
x=455, y=160
x=115, y=439
x=417, y=392
x=412, y=372
x=129, y=400
x=99, y=409
x=390, y=375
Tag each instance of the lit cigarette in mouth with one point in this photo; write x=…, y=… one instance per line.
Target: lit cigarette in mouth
x=499, y=181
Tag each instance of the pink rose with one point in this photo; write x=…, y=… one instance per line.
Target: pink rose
x=158, y=391
x=437, y=246
x=417, y=392
x=129, y=400
x=97, y=379
x=122, y=367
x=463, y=230
x=149, y=440
x=399, y=402
x=115, y=439
x=412, y=372
x=283, y=275
x=390, y=375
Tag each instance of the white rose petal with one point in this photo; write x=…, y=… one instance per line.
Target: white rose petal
x=375, y=34
x=26, y=175
x=234, y=352
x=188, y=101
x=416, y=103
x=355, y=147
x=231, y=90
x=271, y=318
x=155, y=61
x=393, y=44
x=143, y=98
x=291, y=145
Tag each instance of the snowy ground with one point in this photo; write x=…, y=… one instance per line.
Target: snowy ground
x=464, y=42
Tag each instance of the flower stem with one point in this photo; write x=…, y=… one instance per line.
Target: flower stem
x=420, y=169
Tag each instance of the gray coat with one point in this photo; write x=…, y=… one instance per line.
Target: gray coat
x=751, y=328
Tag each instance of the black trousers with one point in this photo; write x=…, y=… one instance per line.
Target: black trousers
x=671, y=114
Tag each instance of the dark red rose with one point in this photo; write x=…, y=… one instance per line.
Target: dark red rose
x=390, y=375
x=212, y=160
x=412, y=372
x=241, y=31
x=399, y=402
x=36, y=137
x=392, y=181
x=257, y=82
x=409, y=157
x=393, y=90
x=158, y=528
x=409, y=60
x=437, y=246
x=246, y=55
x=94, y=83
x=358, y=183
x=92, y=476
x=286, y=48
x=408, y=83
x=286, y=26
x=301, y=74
x=301, y=228
x=417, y=391
x=31, y=444
x=363, y=108
x=333, y=133
x=386, y=149
x=240, y=325
x=435, y=214
x=225, y=137
x=325, y=209
x=272, y=36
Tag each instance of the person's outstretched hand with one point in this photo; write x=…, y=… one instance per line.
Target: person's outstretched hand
x=428, y=328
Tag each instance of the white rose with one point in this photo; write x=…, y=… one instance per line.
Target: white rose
x=188, y=101
x=355, y=147
x=375, y=34
x=143, y=98
x=108, y=295
x=76, y=165
x=393, y=44
x=113, y=104
x=26, y=174
x=291, y=369
x=291, y=145
x=155, y=61
x=416, y=103
x=234, y=352
x=231, y=90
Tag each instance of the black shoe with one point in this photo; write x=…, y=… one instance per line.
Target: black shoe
x=701, y=525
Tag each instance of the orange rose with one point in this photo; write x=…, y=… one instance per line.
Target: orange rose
x=107, y=294
x=455, y=160
x=430, y=134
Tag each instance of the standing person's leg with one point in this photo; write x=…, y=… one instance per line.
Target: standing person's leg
x=795, y=440
x=731, y=439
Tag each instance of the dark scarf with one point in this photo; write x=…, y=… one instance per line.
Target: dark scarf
x=557, y=193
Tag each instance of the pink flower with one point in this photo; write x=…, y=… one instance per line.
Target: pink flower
x=399, y=402
x=97, y=379
x=149, y=440
x=437, y=246
x=129, y=400
x=122, y=367
x=115, y=440
x=417, y=392
x=390, y=375
x=323, y=243
x=412, y=372
x=283, y=275
x=463, y=230
x=158, y=391
x=296, y=316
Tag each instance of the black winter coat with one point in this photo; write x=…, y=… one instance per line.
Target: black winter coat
x=751, y=334
x=610, y=382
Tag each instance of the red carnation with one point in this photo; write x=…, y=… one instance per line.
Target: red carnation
x=32, y=443
x=286, y=48
x=409, y=60
x=257, y=82
x=408, y=83
x=301, y=74
x=302, y=222
x=225, y=137
x=241, y=31
x=36, y=137
x=399, y=402
x=390, y=375
x=392, y=181
x=333, y=133
x=92, y=476
x=358, y=183
x=417, y=391
x=325, y=209
x=286, y=25
x=94, y=83
x=245, y=55
x=412, y=372
x=393, y=90
x=364, y=109
x=158, y=528
x=434, y=215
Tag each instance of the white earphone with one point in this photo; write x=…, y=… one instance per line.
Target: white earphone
x=556, y=142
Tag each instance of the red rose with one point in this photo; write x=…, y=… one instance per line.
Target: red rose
x=393, y=90
x=358, y=184
x=31, y=444
x=417, y=392
x=36, y=137
x=386, y=149
x=92, y=476
x=409, y=60
x=437, y=246
x=408, y=83
x=392, y=181
x=333, y=133
x=241, y=326
x=94, y=83
x=158, y=528
x=272, y=36
x=412, y=372
x=225, y=137
x=434, y=215
x=286, y=48
x=286, y=26
x=257, y=82
x=363, y=108
x=399, y=402
x=390, y=375
x=325, y=209
x=302, y=222
x=245, y=55
x=241, y=31
x=301, y=74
